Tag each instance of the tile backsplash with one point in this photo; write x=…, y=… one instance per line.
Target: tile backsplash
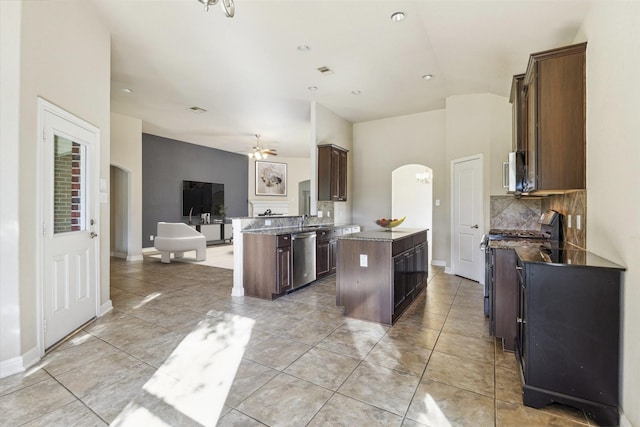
x=510, y=213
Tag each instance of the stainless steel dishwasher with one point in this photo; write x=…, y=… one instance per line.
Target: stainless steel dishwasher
x=304, y=258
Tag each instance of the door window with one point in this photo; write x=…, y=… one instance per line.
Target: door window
x=69, y=186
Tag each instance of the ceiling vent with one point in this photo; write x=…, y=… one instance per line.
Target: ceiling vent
x=197, y=109
x=325, y=71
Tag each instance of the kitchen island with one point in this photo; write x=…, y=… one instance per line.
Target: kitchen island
x=380, y=273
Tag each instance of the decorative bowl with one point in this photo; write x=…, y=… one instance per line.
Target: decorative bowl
x=390, y=223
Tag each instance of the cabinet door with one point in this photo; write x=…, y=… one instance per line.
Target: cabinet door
x=322, y=257
x=505, y=296
x=333, y=255
x=335, y=175
x=283, y=282
x=531, y=158
x=342, y=176
x=410, y=273
x=399, y=276
x=421, y=266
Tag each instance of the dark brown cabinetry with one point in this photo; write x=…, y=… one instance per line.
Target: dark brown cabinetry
x=266, y=265
x=504, y=297
x=380, y=273
x=326, y=249
x=332, y=173
x=554, y=90
x=519, y=117
x=569, y=329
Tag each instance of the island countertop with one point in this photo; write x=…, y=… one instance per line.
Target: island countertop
x=384, y=235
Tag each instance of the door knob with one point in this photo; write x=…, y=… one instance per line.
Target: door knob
x=475, y=226
x=93, y=235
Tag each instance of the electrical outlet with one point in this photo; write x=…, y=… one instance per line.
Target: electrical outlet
x=363, y=260
x=569, y=221
x=579, y=222
x=437, y=202
x=267, y=222
x=151, y=237
x=328, y=214
x=319, y=214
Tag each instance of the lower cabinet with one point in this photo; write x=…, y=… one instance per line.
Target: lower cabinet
x=568, y=336
x=267, y=265
x=379, y=276
x=283, y=273
x=326, y=251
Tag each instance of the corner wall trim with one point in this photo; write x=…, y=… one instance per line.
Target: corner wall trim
x=105, y=308
x=19, y=364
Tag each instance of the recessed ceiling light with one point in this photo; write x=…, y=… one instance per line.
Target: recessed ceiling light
x=127, y=90
x=304, y=48
x=356, y=92
x=427, y=76
x=313, y=88
x=398, y=16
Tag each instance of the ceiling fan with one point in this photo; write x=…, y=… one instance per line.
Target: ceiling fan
x=259, y=152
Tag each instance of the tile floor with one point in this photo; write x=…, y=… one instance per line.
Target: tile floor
x=178, y=350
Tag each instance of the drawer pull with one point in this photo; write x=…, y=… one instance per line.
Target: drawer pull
x=519, y=268
x=520, y=320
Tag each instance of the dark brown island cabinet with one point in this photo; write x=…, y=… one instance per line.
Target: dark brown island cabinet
x=553, y=125
x=332, y=173
x=267, y=265
x=568, y=339
x=380, y=273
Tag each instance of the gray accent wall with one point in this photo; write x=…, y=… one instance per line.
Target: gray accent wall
x=167, y=162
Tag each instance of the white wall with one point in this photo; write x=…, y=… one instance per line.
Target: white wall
x=480, y=124
x=126, y=154
x=297, y=170
x=415, y=138
x=10, y=350
x=613, y=154
x=69, y=65
x=329, y=128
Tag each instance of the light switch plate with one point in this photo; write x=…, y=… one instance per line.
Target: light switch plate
x=319, y=214
x=569, y=221
x=267, y=222
x=579, y=222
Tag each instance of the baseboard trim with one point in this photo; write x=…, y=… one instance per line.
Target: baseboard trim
x=150, y=250
x=133, y=258
x=121, y=255
x=448, y=270
x=624, y=421
x=439, y=262
x=105, y=308
x=19, y=364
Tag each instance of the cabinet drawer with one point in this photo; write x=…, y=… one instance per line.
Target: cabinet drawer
x=284, y=240
x=402, y=245
x=323, y=235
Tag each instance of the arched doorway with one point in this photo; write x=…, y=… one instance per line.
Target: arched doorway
x=411, y=196
x=120, y=212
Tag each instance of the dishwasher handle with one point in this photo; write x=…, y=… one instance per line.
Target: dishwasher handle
x=308, y=235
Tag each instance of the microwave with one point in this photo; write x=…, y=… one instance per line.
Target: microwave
x=513, y=173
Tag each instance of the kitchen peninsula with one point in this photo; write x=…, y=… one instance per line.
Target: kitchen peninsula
x=380, y=273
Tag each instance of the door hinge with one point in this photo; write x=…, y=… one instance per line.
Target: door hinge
x=44, y=325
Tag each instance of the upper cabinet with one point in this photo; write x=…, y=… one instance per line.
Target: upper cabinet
x=555, y=104
x=332, y=173
x=517, y=100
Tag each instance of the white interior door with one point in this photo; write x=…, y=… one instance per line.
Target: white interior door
x=70, y=204
x=467, y=217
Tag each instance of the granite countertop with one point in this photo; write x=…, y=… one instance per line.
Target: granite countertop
x=297, y=229
x=384, y=235
x=564, y=256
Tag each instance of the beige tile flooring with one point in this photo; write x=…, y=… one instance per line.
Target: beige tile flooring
x=178, y=350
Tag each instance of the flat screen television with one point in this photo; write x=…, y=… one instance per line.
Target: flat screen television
x=202, y=197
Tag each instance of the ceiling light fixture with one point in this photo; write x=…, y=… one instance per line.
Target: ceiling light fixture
x=304, y=48
x=259, y=152
x=398, y=16
x=127, y=90
x=227, y=5
x=427, y=76
x=313, y=88
x=356, y=92
x=197, y=109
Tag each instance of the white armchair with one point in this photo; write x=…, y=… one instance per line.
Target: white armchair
x=178, y=237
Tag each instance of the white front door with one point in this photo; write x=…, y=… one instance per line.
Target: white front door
x=467, y=221
x=70, y=157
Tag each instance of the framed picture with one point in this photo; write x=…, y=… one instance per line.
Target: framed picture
x=271, y=179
